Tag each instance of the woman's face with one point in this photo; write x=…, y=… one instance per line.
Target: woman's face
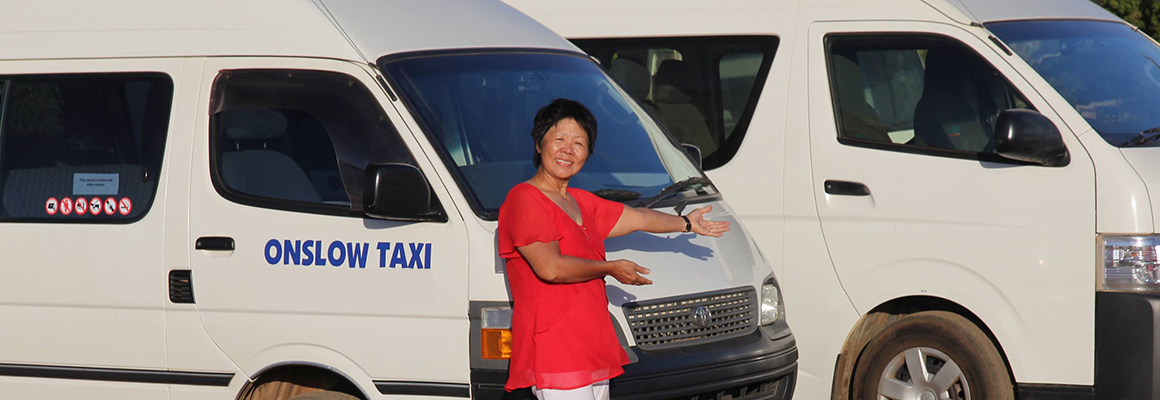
x=564, y=149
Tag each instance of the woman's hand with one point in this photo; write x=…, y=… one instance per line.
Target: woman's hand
x=702, y=226
x=629, y=273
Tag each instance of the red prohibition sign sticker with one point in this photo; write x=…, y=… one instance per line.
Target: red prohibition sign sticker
x=95, y=206
x=110, y=206
x=50, y=206
x=66, y=206
x=125, y=206
x=82, y=205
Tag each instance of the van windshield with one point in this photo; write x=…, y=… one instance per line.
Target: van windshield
x=1107, y=71
x=478, y=108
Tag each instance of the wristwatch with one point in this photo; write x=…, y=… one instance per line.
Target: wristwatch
x=688, y=225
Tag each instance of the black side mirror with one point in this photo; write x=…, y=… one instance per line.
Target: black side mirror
x=694, y=152
x=398, y=192
x=1027, y=135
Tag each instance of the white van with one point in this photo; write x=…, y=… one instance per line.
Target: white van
x=266, y=199
x=884, y=157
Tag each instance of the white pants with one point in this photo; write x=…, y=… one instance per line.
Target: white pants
x=595, y=391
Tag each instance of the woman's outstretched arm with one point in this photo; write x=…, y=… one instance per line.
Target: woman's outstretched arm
x=551, y=266
x=649, y=220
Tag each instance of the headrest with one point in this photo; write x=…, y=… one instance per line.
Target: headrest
x=252, y=123
x=633, y=75
x=675, y=73
x=948, y=69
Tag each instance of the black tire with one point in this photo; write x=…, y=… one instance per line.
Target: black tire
x=324, y=395
x=941, y=340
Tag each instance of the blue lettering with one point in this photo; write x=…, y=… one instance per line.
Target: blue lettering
x=308, y=253
x=416, y=250
x=358, y=254
x=427, y=257
x=399, y=257
x=383, y=247
x=293, y=252
x=319, y=259
x=336, y=261
x=277, y=246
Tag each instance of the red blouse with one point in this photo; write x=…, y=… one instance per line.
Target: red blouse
x=562, y=335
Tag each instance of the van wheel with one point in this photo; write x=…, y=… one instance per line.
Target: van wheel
x=932, y=355
x=324, y=395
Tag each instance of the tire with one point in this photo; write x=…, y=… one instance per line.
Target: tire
x=960, y=362
x=324, y=395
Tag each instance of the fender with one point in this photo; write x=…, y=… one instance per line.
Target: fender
x=942, y=279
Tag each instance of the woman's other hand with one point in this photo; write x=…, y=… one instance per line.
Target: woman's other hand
x=629, y=273
x=702, y=226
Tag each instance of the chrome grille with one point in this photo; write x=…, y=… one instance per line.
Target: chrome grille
x=672, y=322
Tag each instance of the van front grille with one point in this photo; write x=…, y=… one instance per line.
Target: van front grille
x=692, y=320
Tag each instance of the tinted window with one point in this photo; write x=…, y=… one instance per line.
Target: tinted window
x=480, y=107
x=702, y=90
x=922, y=92
x=298, y=140
x=1108, y=71
x=81, y=147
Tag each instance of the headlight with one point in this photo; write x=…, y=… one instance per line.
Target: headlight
x=770, y=304
x=1130, y=264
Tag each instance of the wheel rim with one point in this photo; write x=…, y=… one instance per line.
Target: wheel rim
x=923, y=373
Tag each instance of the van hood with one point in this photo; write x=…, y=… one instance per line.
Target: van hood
x=687, y=263
x=1146, y=162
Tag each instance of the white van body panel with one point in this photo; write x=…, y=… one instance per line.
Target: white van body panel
x=296, y=28
x=983, y=11
x=91, y=295
x=68, y=29
x=362, y=309
x=1009, y=238
x=1145, y=165
x=379, y=28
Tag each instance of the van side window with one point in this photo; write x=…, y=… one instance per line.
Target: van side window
x=298, y=140
x=916, y=92
x=703, y=90
x=81, y=147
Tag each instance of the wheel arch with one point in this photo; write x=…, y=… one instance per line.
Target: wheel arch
x=878, y=318
x=309, y=366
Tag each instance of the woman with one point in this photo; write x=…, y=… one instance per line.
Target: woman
x=552, y=238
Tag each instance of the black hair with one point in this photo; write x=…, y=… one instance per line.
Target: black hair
x=559, y=110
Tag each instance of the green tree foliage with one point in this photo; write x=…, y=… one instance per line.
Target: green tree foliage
x=1144, y=14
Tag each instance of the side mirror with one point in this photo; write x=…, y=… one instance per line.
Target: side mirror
x=398, y=192
x=694, y=152
x=1027, y=135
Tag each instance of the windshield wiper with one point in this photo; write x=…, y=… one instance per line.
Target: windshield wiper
x=618, y=195
x=1143, y=137
x=672, y=190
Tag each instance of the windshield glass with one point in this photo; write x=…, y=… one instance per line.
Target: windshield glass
x=1107, y=71
x=479, y=108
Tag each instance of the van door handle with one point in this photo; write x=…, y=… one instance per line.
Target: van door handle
x=846, y=188
x=214, y=243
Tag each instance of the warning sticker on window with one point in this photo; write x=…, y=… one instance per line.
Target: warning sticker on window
x=96, y=183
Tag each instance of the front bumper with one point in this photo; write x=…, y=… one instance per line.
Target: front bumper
x=758, y=366
x=1127, y=334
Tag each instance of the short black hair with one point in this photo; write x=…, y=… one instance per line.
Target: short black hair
x=559, y=110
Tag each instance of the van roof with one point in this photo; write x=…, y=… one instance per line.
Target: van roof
x=306, y=28
x=984, y=11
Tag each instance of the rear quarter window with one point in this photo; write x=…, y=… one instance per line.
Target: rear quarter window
x=81, y=148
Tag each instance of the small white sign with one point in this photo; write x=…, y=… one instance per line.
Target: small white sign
x=96, y=183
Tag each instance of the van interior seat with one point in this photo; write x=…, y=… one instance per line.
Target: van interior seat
x=947, y=115
x=634, y=76
x=859, y=119
x=677, y=108
x=253, y=168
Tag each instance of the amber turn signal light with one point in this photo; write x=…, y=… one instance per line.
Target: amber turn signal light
x=497, y=344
